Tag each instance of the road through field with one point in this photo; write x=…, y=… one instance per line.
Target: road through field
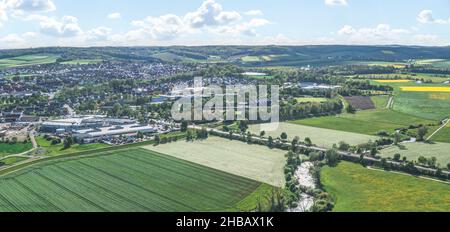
x=444, y=124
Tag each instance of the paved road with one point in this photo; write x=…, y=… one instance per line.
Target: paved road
x=342, y=153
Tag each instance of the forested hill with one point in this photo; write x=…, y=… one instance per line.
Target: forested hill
x=241, y=53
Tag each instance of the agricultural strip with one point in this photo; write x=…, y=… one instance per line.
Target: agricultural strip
x=321, y=137
x=368, y=122
x=251, y=161
x=358, y=189
x=414, y=150
x=124, y=180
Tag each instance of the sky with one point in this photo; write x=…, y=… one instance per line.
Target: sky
x=42, y=23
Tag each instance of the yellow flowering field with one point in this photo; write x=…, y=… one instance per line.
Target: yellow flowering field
x=424, y=89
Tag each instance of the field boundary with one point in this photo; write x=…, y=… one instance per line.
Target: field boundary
x=444, y=124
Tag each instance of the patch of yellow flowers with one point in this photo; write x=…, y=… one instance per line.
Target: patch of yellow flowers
x=425, y=89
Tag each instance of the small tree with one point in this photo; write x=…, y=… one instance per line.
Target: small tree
x=270, y=142
x=295, y=142
x=157, y=139
x=332, y=157
x=184, y=126
x=284, y=136
x=68, y=142
x=421, y=133
x=448, y=166
x=351, y=109
x=397, y=157
x=308, y=141
x=397, y=138
x=262, y=134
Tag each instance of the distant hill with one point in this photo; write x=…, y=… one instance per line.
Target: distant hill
x=245, y=55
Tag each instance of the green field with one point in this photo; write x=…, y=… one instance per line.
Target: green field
x=358, y=189
x=368, y=122
x=310, y=99
x=443, y=135
x=251, y=161
x=437, y=78
x=377, y=63
x=10, y=149
x=436, y=63
x=51, y=150
x=12, y=160
x=414, y=150
x=380, y=101
x=124, y=180
x=27, y=60
x=319, y=136
x=428, y=105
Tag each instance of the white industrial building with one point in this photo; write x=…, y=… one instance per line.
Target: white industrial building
x=90, y=135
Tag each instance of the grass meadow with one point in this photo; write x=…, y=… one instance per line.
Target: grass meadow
x=414, y=150
x=358, y=189
x=319, y=136
x=251, y=161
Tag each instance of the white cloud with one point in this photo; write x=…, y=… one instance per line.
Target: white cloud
x=336, y=2
x=210, y=13
x=67, y=26
x=381, y=34
x=26, y=6
x=426, y=16
x=12, y=38
x=209, y=17
x=98, y=34
x=115, y=15
x=254, y=13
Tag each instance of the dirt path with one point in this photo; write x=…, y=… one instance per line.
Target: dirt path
x=446, y=121
x=390, y=103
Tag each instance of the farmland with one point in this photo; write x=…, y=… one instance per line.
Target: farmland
x=319, y=136
x=26, y=60
x=357, y=189
x=436, y=63
x=368, y=122
x=46, y=148
x=310, y=99
x=124, y=180
x=9, y=149
x=443, y=135
x=426, y=101
x=414, y=150
x=361, y=102
x=250, y=161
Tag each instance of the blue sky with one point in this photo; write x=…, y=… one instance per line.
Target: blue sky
x=35, y=23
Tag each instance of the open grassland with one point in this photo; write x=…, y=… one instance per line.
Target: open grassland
x=443, y=135
x=414, y=150
x=10, y=149
x=358, y=189
x=27, y=60
x=319, y=136
x=310, y=99
x=250, y=161
x=436, y=63
x=398, y=65
x=124, y=180
x=392, y=81
x=12, y=160
x=368, y=122
x=404, y=77
x=426, y=101
x=52, y=150
x=380, y=102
